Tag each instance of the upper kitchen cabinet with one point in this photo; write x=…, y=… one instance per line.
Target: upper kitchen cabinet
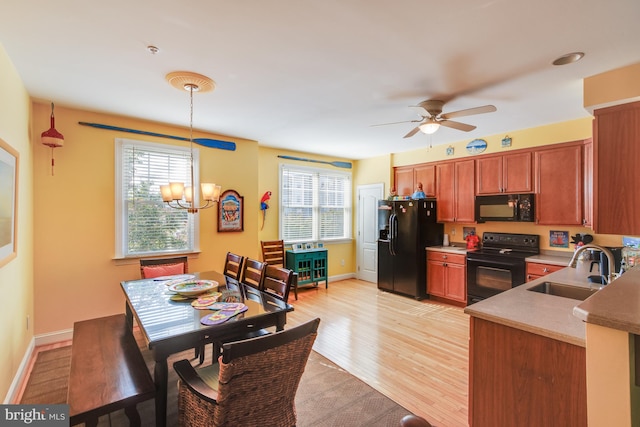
x=455, y=183
x=587, y=190
x=425, y=174
x=616, y=145
x=508, y=173
x=403, y=180
x=406, y=179
x=559, y=184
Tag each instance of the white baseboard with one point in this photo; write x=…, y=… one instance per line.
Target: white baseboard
x=342, y=277
x=44, y=339
x=54, y=337
x=19, y=377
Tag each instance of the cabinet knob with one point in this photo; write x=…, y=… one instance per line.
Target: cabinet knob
x=444, y=257
x=444, y=264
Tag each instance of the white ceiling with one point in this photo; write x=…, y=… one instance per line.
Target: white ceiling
x=313, y=76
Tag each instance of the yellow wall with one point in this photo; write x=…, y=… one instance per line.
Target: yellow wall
x=612, y=87
x=269, y=181
x=16, y=277
x=76, y=276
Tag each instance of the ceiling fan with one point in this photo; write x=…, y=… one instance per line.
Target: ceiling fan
x=432, y=117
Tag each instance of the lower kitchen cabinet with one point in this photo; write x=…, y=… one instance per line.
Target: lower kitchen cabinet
x=447, y=276
x=518, y=378
x=535, y=270
x=311, y=266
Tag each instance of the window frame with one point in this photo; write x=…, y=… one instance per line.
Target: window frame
x=348, y=203
x=121, y=231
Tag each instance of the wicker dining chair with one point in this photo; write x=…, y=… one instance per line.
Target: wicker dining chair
x=157, y=267
x=253, y=384
x=273, y=254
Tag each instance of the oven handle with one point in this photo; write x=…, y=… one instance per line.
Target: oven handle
x=491, y=263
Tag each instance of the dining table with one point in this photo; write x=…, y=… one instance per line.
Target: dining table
x=170, y=325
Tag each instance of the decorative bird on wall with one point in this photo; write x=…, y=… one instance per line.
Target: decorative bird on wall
x=264, y=205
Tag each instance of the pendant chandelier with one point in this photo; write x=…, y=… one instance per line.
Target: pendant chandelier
x=176, y=194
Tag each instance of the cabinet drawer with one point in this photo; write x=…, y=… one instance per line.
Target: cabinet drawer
x=445, y=256
x=537, y=269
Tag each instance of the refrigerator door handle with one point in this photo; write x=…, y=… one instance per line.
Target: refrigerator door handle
x=394, y=233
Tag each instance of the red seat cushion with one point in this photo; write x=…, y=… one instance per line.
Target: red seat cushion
x=152, y=271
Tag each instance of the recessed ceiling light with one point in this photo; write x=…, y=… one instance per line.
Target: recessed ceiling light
x=153, y=50
x=569, y=58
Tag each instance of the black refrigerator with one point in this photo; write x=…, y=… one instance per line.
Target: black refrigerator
x=406, y=227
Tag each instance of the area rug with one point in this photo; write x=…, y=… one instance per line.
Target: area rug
x=328, y=396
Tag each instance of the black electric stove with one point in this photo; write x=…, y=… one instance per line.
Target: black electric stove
x=499, y=264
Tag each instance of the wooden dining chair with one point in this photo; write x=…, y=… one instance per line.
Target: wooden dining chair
x=277, y=281
x=233, y=265
x=157, y=267
x=253, y=273
x=253, y=383
x=273, y=254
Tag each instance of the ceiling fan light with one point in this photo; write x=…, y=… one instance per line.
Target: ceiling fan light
x=429, y=128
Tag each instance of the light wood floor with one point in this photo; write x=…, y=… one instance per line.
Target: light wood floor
x=414, y=352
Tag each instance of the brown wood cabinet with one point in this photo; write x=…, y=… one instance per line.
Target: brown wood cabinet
x=535, y=270
x=559, y=184
x=616, y=145
x=587, y=185
x=403, y=180
x=425, y=174
x=455, y=183
x=517, y=378
x=446, y=276
x=406, y=179
x=508, y=173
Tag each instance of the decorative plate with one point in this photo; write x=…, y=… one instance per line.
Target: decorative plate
x=477, y=146
x=193, y=287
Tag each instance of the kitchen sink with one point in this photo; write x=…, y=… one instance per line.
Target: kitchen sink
x=561, y=290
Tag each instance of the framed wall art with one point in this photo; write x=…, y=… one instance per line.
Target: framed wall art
x=8, y=202
x=231, y=211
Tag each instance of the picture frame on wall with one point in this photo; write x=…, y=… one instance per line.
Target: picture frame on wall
x=9, y=163
x=230, y=212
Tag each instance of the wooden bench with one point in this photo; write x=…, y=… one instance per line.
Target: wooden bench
x=108, y=372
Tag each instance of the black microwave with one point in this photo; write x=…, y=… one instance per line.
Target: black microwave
x=505, y=207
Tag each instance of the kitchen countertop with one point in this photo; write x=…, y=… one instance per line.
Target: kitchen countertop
x=546, y=315
x=617, y=306
x=551, y=257
x=454, y=248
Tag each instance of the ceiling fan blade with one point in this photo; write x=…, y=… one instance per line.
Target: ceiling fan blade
x=469, y=112
x=395, y=123
x=457, y=125
x=413, y=132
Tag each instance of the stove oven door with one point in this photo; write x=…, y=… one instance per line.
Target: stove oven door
x=489, y=277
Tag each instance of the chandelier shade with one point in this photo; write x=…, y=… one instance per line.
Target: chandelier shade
x=179, y=195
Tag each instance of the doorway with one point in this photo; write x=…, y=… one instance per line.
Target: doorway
x=367, y=231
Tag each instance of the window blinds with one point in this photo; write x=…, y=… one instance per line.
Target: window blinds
x=149, y=226
x=315, y=204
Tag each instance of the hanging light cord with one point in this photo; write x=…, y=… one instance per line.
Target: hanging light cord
x=193, y=189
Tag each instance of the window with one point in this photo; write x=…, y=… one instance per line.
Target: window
x=315, y=204
x=145, y=225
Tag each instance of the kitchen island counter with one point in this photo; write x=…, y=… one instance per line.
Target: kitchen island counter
x=617, y=306
x=546, y=315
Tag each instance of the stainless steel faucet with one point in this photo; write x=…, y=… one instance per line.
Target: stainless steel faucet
x=604, y=251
